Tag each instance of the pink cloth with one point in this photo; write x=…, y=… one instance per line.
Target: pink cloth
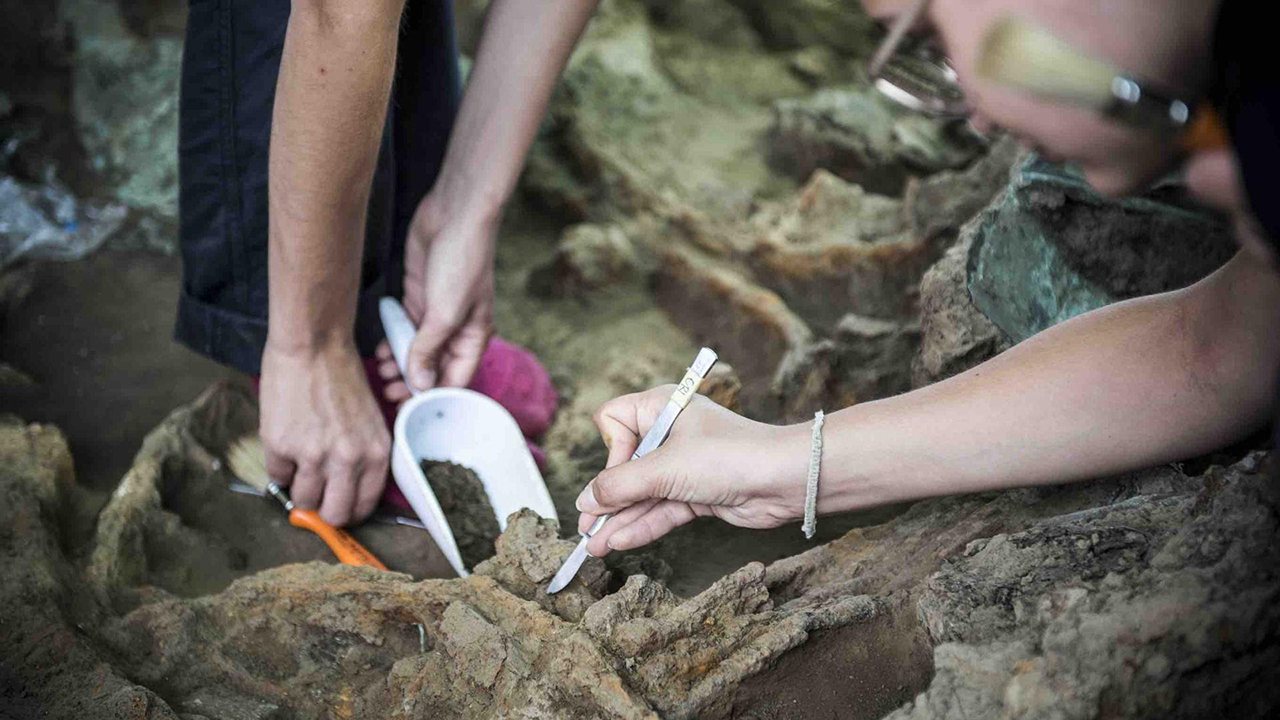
x=509, y=374
x=513, y=376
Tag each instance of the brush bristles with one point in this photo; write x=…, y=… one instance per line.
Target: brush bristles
x=1015, y=52
x=248, y=461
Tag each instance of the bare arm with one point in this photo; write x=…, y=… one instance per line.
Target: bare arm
x=523, y=50
x=1134, y=384
x=320, y=423
x=331, y=101
x=449, y=255
x=1131, y=385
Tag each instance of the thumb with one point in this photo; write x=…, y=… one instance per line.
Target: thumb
x=624, y=485
x=424, y=353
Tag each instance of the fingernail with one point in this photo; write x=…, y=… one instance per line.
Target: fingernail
x=611, y=544
x=587, y=501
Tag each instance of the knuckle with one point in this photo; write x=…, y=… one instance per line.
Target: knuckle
x=336, y=516
x=673, y=485
x=346, y=453
x=613, y=408
x=604, y=491
x=436, y=324
x=275, y=441
x=378, y=450
x=311, y=454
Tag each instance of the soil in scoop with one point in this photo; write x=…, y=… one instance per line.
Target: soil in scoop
x=462, y=498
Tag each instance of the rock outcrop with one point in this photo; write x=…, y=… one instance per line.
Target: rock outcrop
x=955, y=335
x=1052, y=248
x=1141, y=596
x=125, y=98
x=863, y=137
x=1160, y=605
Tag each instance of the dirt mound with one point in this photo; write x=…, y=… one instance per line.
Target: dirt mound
x=1129, y=593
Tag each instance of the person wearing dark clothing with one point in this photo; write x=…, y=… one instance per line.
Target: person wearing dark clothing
x=328, y=158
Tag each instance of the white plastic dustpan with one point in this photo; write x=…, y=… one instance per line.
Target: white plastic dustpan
x=464, y=427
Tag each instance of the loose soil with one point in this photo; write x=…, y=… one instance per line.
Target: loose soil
x=466, y=507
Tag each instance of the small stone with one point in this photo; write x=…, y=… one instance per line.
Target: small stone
x=864, y=138
x=864, y=359
x=815, y=64
x=723, y=309
x=938, y=205
x=589, y=257
x=722, y=386
x=836, y=249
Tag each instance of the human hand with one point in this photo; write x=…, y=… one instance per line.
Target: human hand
x=324, y=436
x=1164, y=42
x=448, y=293
x=714, y=463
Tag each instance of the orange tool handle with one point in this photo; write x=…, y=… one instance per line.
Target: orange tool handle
x=1205, y=132
x=348, y=550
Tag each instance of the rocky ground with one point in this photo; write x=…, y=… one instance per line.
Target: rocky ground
x=712, y=172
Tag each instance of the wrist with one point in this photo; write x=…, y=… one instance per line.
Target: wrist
x=850, y=474
x=461, y=200
x=786, y=460
x=301, y=345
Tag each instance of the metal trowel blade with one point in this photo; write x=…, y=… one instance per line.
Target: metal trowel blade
x=570, y=568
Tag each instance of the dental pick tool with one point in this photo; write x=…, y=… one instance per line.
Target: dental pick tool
x=684, y=392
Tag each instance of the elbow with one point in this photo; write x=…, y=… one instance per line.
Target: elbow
x=335, y=17
x=1229, y=348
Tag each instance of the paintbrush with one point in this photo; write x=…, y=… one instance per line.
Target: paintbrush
x=1020, y=54
x=247, y=459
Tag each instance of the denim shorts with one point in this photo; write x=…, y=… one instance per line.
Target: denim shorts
x=229, y=69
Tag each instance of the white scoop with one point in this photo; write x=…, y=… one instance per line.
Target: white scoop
x=464, y=427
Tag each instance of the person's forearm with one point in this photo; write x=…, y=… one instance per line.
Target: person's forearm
x=330, y=106
x=523, y=50
x=1135, y=384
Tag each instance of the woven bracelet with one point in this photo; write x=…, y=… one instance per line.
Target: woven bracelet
x=811, y=487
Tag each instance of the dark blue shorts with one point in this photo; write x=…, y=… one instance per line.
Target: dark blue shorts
x=229, y=71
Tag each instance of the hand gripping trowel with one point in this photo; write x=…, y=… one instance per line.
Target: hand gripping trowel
x=458, y=426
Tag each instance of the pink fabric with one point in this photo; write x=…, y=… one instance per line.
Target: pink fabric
x=513, y=376
x=509, y=374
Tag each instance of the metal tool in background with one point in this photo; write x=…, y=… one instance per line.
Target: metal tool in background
x=657, y=434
